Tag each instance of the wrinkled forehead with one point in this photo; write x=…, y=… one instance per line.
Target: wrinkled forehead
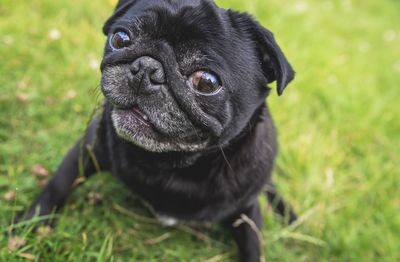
x=176, y=20
x=145, y=4
x=171, y=6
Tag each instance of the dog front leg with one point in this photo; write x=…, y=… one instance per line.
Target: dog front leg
x=85, y=158
x=246, y=228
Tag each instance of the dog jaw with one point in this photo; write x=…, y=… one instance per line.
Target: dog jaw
x=130, y=129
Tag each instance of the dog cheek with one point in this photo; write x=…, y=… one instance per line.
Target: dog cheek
x=113, y=77
x=218, y=107
x=115, y=86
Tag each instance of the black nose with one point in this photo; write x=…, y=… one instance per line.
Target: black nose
x=148, y=72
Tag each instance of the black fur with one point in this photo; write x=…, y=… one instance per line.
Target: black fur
x=218, y=181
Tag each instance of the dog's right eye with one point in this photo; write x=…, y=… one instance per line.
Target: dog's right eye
x=120, y=40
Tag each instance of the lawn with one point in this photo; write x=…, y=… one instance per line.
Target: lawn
x=339, y=134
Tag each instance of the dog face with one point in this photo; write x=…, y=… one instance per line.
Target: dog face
x=186, y=75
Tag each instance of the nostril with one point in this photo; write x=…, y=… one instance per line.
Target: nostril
x=157, y=76
x=135, y=67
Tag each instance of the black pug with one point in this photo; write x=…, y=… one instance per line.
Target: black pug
x=185, y=125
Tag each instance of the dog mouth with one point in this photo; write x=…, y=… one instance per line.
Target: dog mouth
x=140, y=116
x=134, y=113
x=134, y=125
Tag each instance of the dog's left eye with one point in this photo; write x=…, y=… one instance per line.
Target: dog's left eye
x=120, y=40
x=205, y=83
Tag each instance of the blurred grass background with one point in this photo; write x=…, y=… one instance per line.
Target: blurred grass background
x=339, y=126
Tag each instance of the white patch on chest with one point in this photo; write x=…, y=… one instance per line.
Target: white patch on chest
x=167, y=221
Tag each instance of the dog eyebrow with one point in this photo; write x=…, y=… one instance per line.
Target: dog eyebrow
x=132, y=23
x=136, y=22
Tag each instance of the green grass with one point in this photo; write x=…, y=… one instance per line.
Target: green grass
x=339, y=132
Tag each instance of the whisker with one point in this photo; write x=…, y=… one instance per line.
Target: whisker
x=226, y=159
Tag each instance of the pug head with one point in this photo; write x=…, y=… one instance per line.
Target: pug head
x=186, y=76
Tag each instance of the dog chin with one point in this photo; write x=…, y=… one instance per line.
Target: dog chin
x=132, y=129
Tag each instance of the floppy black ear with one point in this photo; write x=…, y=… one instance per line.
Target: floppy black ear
x=274, y=63
x=120, y=9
